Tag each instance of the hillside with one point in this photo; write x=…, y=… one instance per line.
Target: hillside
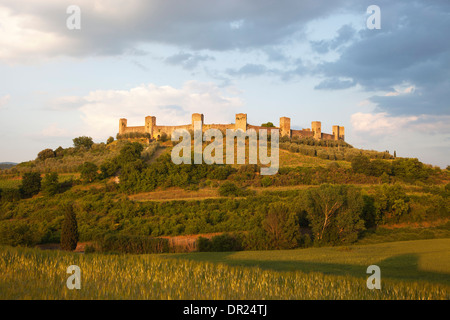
x=130, y=191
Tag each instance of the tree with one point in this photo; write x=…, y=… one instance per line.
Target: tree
x=334, y=213
x=229, y=189
x=268, y=124
x=88, y=171
x=59, y=152
x=50, y=184
x=83, y=141
x=45, y=154
x=391, y=202
x=164, y=137
x=69, y=230
x=110, y=140
x=31, y=184
x=360, y=164
x=281, y=227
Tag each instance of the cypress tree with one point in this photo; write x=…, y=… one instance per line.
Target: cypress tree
x=69, y=232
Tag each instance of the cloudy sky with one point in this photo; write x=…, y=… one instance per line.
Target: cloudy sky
x=307, y=60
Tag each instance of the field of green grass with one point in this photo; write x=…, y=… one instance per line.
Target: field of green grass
x=424, y=260
x=409, y=270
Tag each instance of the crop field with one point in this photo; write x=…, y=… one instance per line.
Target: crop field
x=36, y=274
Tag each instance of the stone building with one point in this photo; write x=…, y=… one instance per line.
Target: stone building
x=156, y=131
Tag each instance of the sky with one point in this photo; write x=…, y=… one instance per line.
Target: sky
x=307, y=60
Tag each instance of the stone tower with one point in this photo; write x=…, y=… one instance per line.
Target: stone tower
x=241, y=122
x=122, y=125
x=336, y=132
x=342, y=133
x=197, y=117
x=285, y=127
x=150, y=123
x=316, y=128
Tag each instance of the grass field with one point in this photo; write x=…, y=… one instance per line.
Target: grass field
x=409, y=270
x=427, y=260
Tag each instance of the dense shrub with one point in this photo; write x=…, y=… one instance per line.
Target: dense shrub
x=31, y=184
x=89, y=171
x=391, y=202
x=334, y=212
x=50, y=184
x=133, y=244
x=19, y=233
x=85, y=142
x=133, y=135
x=10, y=194
x=229, y=189
x=45, y=154
x=220, y=243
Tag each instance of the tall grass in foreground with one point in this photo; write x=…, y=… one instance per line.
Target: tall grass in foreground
x=35, y=274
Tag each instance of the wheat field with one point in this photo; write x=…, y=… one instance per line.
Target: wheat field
x=35, y=274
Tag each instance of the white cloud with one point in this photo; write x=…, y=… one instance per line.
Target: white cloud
x=4, y=100
x=379, y=123
x=383, y=123
x=22, y=40
x=102, y=109
x=398, y=92
x=54, y=131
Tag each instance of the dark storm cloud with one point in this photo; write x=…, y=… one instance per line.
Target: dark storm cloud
x=412, y=48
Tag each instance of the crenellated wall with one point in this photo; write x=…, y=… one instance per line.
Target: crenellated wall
x=156, y=131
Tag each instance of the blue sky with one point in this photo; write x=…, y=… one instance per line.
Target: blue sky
x=308, y=60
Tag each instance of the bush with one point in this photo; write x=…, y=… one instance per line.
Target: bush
x=18, y=233
x=334, y=213
x=203, y=244
x=69, y=230
x=10, y=195
x=50, y=184
x=133, y=244
x=31, y=184
x=164, y=137
x=83, y=141
x=266, y=181
x=219, y=243
x=391, y=202
x=45, y=154
x=89, y=171
x=229, y=189
x=281, y=227
x=133, y=135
